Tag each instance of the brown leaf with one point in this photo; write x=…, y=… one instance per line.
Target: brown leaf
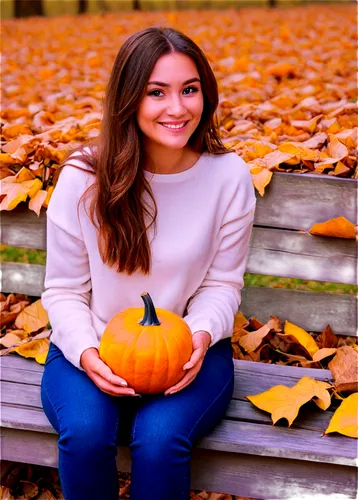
x=32, y=318
x=328, y=338
x=344, y=368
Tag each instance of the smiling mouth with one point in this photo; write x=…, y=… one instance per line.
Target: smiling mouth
x=175, y=127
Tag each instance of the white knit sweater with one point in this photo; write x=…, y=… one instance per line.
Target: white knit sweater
x=199, y=253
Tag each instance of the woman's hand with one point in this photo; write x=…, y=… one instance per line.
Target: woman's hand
x=201, y=342
x=102, y=375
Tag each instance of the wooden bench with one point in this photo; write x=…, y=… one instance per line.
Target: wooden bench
x=245, y=454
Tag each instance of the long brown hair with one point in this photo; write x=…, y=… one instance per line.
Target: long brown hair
x=116, y=155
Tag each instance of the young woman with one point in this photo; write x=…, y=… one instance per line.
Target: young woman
x=155, y=204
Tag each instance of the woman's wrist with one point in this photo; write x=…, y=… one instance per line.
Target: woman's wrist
x=205, y=336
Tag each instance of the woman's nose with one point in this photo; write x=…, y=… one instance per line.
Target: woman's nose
x=176, y=107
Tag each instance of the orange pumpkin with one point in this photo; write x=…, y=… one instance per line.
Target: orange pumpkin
x=148, y=353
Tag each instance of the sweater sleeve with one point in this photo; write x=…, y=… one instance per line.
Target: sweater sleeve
x=68, y=282
x=213, y=306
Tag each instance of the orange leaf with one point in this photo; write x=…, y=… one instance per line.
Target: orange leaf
x=339, y=227
x=32, y=318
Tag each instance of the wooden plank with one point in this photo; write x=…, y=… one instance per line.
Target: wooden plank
x=272, y=252
x=18, y=369
x=310, y=310
x=22, y=394
x=293, y=265
x=310, y=417
x=22, y=228
x=291, y=201
x=298, y=201
x=22, y=278
x=232, y=473
x=278, y=441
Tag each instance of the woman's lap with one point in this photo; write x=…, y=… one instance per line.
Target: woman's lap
x=203, y=401
x=154, y=426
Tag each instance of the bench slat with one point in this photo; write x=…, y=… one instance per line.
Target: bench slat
x=320, y=198
x=298, y=201
x=272, y=252
x=214, y=470
x=312, y=311
x=310, y=417
x=276, y=441
x=14, y=368
x=253, y=439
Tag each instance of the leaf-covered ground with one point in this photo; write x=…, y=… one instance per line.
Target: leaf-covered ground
x=287, y=81
x=288, y=95
x=25, y=482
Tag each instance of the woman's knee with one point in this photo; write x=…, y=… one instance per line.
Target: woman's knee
x=87, y=435
x=159, y=448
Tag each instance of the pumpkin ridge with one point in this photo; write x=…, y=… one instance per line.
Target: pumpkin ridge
x=167, y=367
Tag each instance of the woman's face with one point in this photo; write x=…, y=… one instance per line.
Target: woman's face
x=172, y=107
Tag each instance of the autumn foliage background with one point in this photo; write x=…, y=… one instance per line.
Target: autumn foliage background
x=288, y=103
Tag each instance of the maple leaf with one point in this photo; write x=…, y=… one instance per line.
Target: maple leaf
x=344, y=368
x=32, y=318
x=285, y=402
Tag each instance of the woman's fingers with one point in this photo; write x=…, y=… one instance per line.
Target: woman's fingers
x=196, y=356
x=105, y=372
x=107, y=381
x=186, y=380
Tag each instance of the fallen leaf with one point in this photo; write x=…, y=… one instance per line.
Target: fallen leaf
x=37, y=349
x=301, y=336
x=323, y=353
x=339, y=227
x=344, y=368
x=251, y=340
x=285, y=402
x=32, y=318
x=345, y=418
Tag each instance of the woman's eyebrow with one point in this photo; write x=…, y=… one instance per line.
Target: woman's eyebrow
x=162, y=84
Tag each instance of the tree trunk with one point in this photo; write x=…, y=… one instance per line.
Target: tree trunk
x=27, y=8
x=82, y=6
x=136, y=5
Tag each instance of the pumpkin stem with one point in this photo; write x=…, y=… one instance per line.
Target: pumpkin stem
x=150, y=316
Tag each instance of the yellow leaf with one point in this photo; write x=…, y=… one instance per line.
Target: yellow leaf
x=37, y=201
x=309, y=125
x=302, y=337
x=37, y=349
x=339, y=227
x=33, y=186
x=276, y=157
x=32, y=318
x=261, y=180
x=285, y=402
x=48, y=197
x=337, y=150
x=345, y=418
x=15, y=194
x=24, y=175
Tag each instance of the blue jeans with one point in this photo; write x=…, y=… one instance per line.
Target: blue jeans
x=160, y=430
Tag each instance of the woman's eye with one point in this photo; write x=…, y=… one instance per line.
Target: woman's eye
x=156, y=93
x=190, y=90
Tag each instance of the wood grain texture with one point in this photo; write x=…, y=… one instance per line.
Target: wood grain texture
x=22, y=278
x=212, y=470
x=310, y=310
x=298, y=201
x=291, y=201
x=22, y=228
x=290, y=460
